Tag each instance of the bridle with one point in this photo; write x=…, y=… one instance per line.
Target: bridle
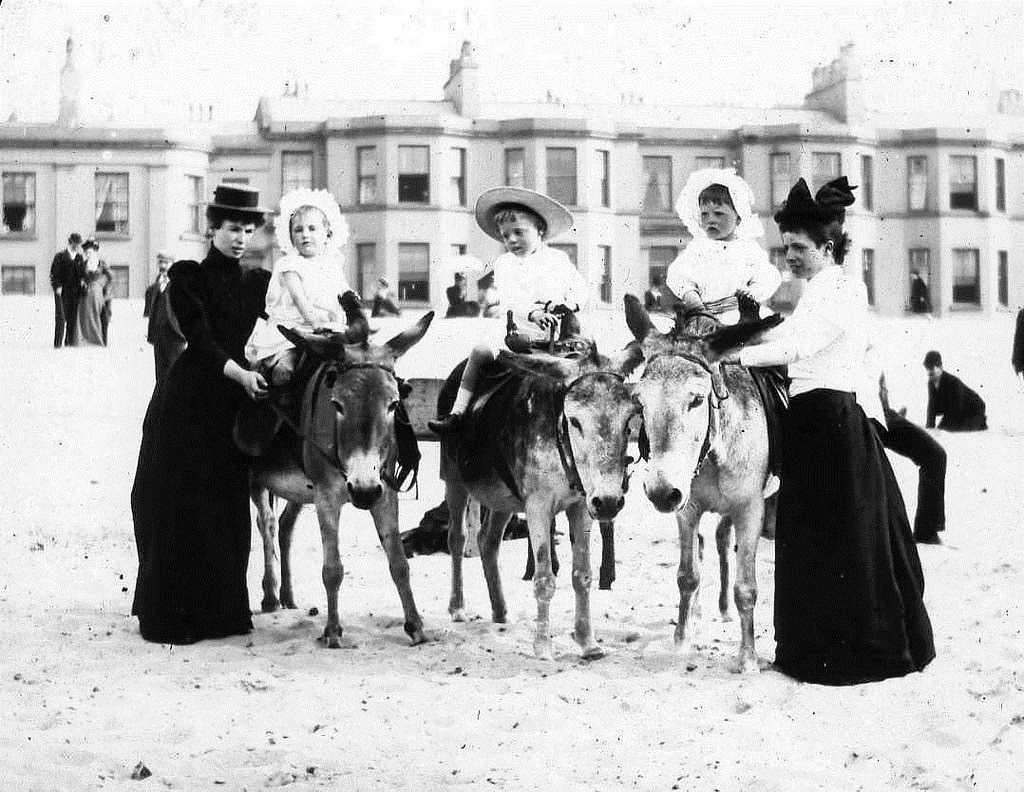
x=714, y=403
x=563, y=442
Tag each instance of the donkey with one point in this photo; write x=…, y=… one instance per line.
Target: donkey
x=708, y=453
x=342, y=449
x=556, y=430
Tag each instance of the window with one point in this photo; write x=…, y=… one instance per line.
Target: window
x=966, y=276
x=606, y=273
x=658, y=259
x=414, y=175
x=459, y=250
x=1003, y=275
x=19, y=215
x=195, y=220
x=112, y=203
x=657, y=185
x=963, y=182
x=367, y=166
x=561, y=169
x=570, y=250
x=917, y=184
x=296, y=170
x=604, y=177
x=1000, y=184
x=241, y=181
x=824, y=168
x=867, y=182
x=119, y=281
x=366, y=267
x=780, y=179
x=515, y=167
x=709, y=162
x=413, y=271
x=17, y=280
x=868, y=270
x=921, y=263
x=458, y=170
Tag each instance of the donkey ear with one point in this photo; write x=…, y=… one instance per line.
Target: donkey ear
x=330, y=347
x=628, y=359
x=732, y=336
x=401, y=343
x=637, y=318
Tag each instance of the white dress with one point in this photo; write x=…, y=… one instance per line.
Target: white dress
x=543, y=277
x=716, y=270
x=322, y=282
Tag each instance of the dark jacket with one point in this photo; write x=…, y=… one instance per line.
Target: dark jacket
x=162, y=323
x=1018, y=343
x=962, y=409
x=66, y=272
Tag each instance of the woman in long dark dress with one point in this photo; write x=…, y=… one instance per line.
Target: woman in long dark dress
x=190, y=499
x=848, y=581
x=95, y=297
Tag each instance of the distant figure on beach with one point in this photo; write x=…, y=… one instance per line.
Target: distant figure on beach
x=920, y=301
x=94, y=302
x=654, y=297
x=383, y=303
x=1018, y=346
x=458, y=305
x=960, y=408
x=162, y=331
x=66, y=280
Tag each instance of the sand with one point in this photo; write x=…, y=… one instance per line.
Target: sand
x=86, y=700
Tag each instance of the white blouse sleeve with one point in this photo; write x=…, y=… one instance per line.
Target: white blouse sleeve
x=765, y=278
x=681, y=277
x=805, y=333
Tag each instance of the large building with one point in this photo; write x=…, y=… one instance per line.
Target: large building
x=940, y=196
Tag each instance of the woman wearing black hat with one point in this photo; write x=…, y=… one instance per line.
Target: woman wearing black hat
x=848, y=580
x=190, y=498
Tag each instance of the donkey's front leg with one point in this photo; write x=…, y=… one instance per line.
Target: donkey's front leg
x=286, y=530
x=455, y=496
x=328, y=502
x=723, y=535
x=538, y=520
x=579, y=530
x=472, y=524
x=266, y=521
x=688, y=576
x=748, y=531
x=385, y=518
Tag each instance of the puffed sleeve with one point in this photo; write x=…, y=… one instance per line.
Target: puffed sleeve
x=814, y=324
x=187, y=297
x=681, y=276
x=765, y=278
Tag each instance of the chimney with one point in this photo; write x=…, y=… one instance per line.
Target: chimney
x=1010, y=103
x=70, y=89
x=838, y=89
x=462, y=88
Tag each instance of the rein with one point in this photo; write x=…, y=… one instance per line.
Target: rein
x=562, y=441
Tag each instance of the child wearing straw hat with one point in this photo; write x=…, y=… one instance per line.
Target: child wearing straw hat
x=531, y=278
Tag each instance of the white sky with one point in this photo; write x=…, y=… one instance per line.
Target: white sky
x=145, y=60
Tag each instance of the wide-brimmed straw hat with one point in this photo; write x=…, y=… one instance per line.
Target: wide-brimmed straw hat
x=557, y=218
x=239, y=200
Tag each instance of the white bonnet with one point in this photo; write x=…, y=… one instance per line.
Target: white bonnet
x=742, y=199
x=322, y=200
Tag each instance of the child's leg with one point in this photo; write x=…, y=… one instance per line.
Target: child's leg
x=278, y=369
x=480, y=355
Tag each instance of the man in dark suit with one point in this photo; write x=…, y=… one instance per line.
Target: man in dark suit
x=163, y=331
x=66, y=272
x=962, y=409
x=1018, y=345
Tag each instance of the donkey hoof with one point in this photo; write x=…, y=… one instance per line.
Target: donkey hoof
x=458, y=614
x=593, y=652
x=288, y=602
x=269, y=604
x=415, y=632
x=725, y=615
x=542, y=649
x=499, y=617
x=332, y=637
x=746, y=664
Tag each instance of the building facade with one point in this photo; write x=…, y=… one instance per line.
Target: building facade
x=943, y=198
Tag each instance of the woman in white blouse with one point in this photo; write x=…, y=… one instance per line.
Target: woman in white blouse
x=848, y=580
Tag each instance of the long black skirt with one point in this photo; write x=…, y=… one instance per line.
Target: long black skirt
x=848, y=581
x=190, y=506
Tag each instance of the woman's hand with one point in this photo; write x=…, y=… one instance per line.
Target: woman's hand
x=254, y=385
x=545, y=321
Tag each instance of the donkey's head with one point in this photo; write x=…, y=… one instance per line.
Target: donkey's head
x=679, y=393
x=356, y=436
x=592, y=427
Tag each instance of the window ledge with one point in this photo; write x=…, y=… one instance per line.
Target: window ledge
x=19, y=236
x=965, y=307
x=113, y=235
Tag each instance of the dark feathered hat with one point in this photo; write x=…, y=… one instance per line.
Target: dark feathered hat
x=827, y=206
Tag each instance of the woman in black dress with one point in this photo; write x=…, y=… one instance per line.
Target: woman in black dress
x=848, y=582
x=190, y=498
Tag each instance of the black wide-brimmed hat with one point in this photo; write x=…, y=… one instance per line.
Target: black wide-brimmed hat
x=827, y=206
x=239, y=200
